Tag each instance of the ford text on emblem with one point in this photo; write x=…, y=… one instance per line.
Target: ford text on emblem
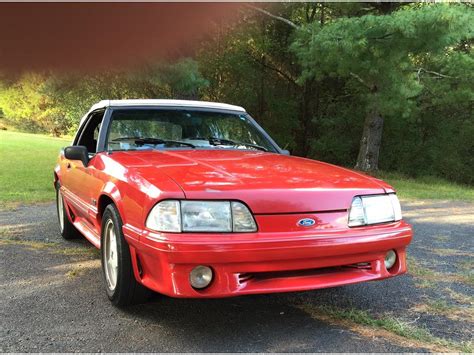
x=306, y=222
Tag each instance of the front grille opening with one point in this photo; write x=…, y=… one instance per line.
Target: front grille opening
x=364, y=266
x=244, y=277
x=259, y=276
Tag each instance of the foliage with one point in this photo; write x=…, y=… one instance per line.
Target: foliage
x=386, y=55
x=55, y=103
x=439, y=135
x=184, y=79
x=311, y=86
x=28, y=104
x=381, y=51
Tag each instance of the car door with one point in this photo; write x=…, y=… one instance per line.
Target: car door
x=83, y=183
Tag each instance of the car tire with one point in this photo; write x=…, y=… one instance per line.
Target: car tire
x=66, y=228
x=121, y=286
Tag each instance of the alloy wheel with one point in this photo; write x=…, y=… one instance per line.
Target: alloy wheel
x=61, y=210
x=110, y=255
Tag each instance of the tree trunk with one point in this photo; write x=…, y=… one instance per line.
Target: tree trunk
x=368, y=158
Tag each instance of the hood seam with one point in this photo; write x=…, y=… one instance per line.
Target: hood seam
x=177, y=184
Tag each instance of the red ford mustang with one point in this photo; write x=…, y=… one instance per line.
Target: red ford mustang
x=194, y=199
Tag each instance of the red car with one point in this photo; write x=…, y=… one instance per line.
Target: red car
x=194, y=199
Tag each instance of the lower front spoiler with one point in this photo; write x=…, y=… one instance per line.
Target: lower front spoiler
x=310, y=279
x=235, y=273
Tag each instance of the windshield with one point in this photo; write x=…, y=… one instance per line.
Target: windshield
x=144, y=129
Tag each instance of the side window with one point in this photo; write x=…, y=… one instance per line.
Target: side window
x=90, y=133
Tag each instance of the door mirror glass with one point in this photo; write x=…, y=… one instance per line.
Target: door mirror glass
x=77, y=152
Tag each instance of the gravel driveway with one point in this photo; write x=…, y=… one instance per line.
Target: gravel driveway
x=52, y=299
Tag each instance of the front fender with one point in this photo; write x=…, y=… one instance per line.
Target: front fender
x=110, y=191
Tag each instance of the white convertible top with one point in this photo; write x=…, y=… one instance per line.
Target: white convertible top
x=155, y=102
x=162, y=103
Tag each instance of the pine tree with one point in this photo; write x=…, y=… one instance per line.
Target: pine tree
x=380, y=53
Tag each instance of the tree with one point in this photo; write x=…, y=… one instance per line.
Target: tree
x=251, y=65
x=184, y=79
x=380, y=53
x=27, y=103
x=54, y=103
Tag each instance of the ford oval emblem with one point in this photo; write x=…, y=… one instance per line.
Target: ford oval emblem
x=306, y=222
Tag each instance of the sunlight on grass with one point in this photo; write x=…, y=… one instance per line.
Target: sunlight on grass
x=427, y=187
x=27, y=162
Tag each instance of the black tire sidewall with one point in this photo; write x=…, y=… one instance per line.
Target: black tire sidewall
x=57, y=208
x=69, y=231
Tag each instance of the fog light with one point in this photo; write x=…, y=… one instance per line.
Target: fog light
x=390, y=259
x=200, y=276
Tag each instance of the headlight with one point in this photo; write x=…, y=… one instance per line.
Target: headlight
x=374, y=209
x=201, y=216
x=242, y=219
x=165, y=217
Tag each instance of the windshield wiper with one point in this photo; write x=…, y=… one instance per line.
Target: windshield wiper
x=145, y=140
x=124, y=139
x=220, y=141
x=150, y=140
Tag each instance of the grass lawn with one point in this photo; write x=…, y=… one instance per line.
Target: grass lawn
x=27, y=162
x=427, y=187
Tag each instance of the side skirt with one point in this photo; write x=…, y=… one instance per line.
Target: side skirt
x=88, y=232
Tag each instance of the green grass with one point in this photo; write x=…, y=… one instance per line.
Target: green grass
x=427, y=187
x=27, y=162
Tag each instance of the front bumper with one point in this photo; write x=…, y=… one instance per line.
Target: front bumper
x=266, y=262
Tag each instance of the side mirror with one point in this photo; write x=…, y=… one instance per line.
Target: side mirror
x=77, y=152
x=285, y=152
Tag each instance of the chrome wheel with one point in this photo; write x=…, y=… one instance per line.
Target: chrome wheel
x=61, y=210
x=110, y=255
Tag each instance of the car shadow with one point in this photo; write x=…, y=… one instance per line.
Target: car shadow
x=256, y=323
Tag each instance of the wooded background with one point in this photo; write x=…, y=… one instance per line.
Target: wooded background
x=368, y=85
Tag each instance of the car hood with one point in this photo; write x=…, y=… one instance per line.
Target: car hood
x=266, y=182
